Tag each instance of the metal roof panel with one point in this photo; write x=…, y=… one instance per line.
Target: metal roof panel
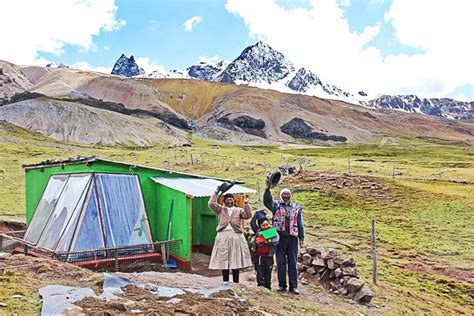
x=199, y=187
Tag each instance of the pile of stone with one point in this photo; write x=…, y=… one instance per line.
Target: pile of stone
x=335, y=273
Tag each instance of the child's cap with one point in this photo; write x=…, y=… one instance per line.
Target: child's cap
x=261, y=220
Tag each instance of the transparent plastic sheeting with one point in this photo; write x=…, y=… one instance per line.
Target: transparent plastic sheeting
x=59, y=299
x=45, y=207
x=90, y=233
x=123, y=210
x=76, y=210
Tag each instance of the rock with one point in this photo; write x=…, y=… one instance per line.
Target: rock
x=3, y=304
x=325, y=275
x=302, y=251
x=364, y=296
x=349, y=271
x=338, y=261
x=17, y=297
x=246, y=121
x=345, y=279
x=307, y=259
x=332, y=274
x=300, y=267
x=4, y=255
x=348, y=263
x=312, y=271
x=313, y=251
x=338, y=273
x=329, y=254
x=354, y=285
x=318, y=263
x=330, y=264
x=251, y=278
x=304, y=281
x=342, y=291
x=333, y=286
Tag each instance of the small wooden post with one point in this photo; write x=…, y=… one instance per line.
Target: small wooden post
x=349, y=165
x=374, y=254
x=192, y=161
x=258, y=192
x=393, y=172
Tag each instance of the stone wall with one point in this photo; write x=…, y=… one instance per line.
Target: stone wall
x=335, y=273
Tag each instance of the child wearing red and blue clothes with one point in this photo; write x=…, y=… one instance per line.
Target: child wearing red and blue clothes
x=264, y=251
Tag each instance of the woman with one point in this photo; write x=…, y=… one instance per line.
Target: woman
x=230, y=251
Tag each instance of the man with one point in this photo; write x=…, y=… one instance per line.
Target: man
x=288, y=221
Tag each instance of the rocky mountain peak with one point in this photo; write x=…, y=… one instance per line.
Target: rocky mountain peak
x=257, y=63
x=127, y=66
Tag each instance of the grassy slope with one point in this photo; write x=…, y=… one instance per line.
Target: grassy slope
x=420, y=240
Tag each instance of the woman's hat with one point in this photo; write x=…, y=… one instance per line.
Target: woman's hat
x=225, y=186
x=274, y=178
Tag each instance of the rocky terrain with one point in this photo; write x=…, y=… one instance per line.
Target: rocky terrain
x=90, y=107
x=442, y=107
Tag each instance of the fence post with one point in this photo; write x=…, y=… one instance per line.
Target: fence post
x=374, y=254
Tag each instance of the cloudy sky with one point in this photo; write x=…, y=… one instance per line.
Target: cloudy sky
x=422, y=47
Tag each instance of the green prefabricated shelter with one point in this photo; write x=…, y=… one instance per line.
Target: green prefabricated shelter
x=175, y=203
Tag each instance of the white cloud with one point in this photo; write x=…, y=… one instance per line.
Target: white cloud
x=149, y=65
x=344, y=3
x=84, y=65
x=320, y=38
x=211, y=60
x=191, y=22
x=28, y=27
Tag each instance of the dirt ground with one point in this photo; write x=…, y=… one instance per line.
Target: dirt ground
x=370, y=189
x=6, y=226
x=138, y=300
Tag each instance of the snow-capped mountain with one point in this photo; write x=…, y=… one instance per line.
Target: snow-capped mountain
x=127, y=67
x=442, y=107
x=173, y=73
x=207, y=70
x=261, y=66
x=54, y=65
x=257, y=63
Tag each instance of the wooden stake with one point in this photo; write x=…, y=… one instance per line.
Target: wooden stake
x=393, y=172
x=374, y=254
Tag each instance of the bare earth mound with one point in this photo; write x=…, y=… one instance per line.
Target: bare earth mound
x=75, y=122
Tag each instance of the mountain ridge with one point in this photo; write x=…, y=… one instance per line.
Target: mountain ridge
x=261, y=66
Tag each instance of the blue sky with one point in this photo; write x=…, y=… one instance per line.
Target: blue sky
x=381, y=46
x=155, y=29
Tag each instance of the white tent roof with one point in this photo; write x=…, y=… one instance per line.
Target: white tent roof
x=199, y=187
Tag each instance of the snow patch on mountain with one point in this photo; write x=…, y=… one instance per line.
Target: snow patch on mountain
x=442, y=107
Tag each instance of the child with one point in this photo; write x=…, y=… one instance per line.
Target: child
x=264, y=250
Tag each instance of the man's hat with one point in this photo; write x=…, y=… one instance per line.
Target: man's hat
x=225, y=186
x=274, y=178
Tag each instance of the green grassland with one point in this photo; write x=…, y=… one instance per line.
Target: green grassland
x=424, y=239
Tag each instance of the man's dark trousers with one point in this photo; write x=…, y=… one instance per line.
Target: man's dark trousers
x=264, y=265
x=287, y=254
